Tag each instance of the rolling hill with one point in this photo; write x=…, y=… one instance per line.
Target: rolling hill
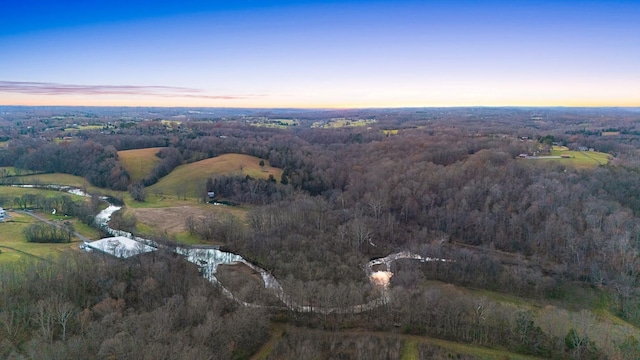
x=139, y=162
x=190, y=179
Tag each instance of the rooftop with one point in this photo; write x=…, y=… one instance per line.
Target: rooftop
x=119, y=246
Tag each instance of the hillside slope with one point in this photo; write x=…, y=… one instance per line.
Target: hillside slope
x=189, y=180
x=139, y=162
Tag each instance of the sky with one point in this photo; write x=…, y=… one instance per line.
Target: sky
x=319, y=54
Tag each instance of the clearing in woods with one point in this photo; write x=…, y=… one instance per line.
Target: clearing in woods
x=189, y=180
x=139, y=162
x=173, y=219
x=582, y=159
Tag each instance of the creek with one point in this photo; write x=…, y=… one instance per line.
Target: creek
x=209, y=258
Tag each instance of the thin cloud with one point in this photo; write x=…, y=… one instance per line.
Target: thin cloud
x=42, y=88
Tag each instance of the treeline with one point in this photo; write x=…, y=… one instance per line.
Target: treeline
x=245, y=189
x=63, y=204
x=48, y=233
x=154, y=306
x=93, y=161
x=170, y=159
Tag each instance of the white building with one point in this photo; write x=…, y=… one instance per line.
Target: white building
x=2, y=214
x=118, y=246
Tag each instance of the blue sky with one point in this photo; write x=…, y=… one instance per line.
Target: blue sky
x=320, y=54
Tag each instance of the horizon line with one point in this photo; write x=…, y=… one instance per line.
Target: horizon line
x=334, y=107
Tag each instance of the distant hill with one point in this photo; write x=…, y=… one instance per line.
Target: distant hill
x=190, y=179
x=139, y=162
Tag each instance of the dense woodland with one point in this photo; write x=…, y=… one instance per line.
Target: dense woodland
x=449, y=184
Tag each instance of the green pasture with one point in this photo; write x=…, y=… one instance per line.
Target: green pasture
x=84, y=127
x=139, y=162
x=276, y=123
x=53, y=179
x=10, y=192
x=189, y=180
x=171, y=123
x=80, y=227
x=338, y=123
x=12, y=171
x=410, y=350
x=581, y=159
x=15, y=247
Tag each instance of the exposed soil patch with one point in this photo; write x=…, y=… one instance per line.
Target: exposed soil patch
x=169, y=219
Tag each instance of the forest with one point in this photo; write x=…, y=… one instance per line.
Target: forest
x=543, y=254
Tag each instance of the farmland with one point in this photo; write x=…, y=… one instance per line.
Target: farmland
x=582, y=159
x=342, y=122
x=15, y=247
x=139, y=162
x=188, y=180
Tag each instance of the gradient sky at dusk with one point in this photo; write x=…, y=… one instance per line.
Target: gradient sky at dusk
x=320, y=54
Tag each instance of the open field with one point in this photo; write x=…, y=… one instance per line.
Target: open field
x=171, y=123
x=84, y=127
x=15, y=247
x=338, y=123
x=4, y=144
x=275, y=123
x=139, y=162
x=189, y=180
x=578, y=159
x=582, y=159
x=11, y=192
x=53, y=178
x=172, y=219
x=390, y=132
x=12, y=171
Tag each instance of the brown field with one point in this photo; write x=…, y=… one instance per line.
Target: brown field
x=173, y=219
x=139, y=162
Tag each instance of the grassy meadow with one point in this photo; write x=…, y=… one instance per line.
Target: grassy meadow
x=139, y=162
x=10, y=192
x=190, y=179
x=83, y=128
x=12, y=171
x=581, y=159
x=339, y=123
x=15, y=247
x=53, y=178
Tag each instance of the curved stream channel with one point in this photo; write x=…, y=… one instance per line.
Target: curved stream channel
x=208, y=259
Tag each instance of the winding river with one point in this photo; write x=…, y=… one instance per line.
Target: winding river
x=208, y=259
